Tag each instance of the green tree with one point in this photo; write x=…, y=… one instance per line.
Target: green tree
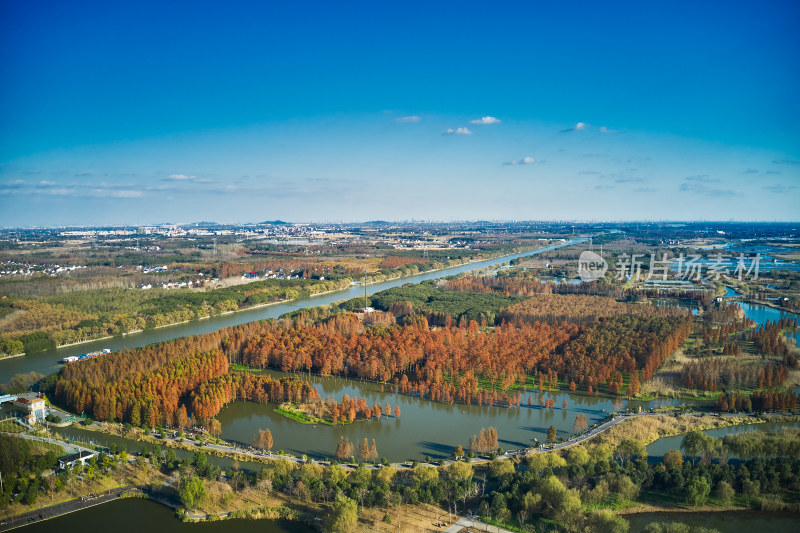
x=193, y=492
x=697, y=491
x=345, y=515
x=578, y=456
x=607, y=522
x=724, y=492
x=551, y=434
x=629, y=448
x=673, y=459
x=32, y=492
x=694, y=442
x=498, y=468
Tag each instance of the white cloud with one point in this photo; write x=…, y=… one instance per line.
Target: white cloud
x=185, y=177
x=485, y=120
x=457, y=131
x=577, y=127
x=603, y=129
x=527, y=160
x=408, y=120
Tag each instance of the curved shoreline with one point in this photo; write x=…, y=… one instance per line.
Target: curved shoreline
x=74, y=505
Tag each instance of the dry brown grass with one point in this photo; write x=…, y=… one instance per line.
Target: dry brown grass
x=421, y=517
x=651, y=428
x=223, y=499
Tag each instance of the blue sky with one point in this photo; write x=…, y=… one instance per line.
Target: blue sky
x=246, y=111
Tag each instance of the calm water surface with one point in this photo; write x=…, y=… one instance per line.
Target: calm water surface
x=657, y=449
x=423, y=428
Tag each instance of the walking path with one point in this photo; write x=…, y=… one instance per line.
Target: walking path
x=68, y=446
x=572, y=441
x=63, y=508
x=473, y=523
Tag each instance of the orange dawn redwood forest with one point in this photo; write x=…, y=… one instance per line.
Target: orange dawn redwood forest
x=170, y=381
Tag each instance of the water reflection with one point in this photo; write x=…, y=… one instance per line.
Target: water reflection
x=424, y=427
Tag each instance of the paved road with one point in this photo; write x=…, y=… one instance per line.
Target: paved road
x=59, y=509
x=68, y=446
x=572, y=441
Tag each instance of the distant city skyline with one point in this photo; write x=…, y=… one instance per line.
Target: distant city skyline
x=244, y=112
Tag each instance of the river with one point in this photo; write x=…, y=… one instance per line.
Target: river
x=47, y=362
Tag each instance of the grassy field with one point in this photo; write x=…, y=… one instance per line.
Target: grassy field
x=10, y=426
x=297, y=414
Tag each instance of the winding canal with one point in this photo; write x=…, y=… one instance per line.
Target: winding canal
x=47, y=362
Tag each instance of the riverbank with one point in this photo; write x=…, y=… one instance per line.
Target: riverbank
x=345, y=284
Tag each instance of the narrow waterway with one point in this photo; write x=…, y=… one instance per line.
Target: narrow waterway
x=724, y=522
x=47, y=362
x=657, y=449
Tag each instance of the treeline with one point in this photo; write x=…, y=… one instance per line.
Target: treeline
x=10, y=347
x=151, y=384
x=518, y=283
x=437, y=305
x=712, y=375
x=721, y=334
x=566, y=489
x=394, y=261
x=417, y=355
x=23, y=467
x=626, y=343
x=753, y=444
x=761, y=400
x=580, y=309
x=83, y=315
x=212, y=395
x=147, y=397
x=725, y=313
x=768, y=338
x=347, y=410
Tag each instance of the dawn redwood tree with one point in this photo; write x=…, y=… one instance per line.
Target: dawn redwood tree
x=364, y=450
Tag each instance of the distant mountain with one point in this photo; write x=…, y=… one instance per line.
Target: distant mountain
x=376, y=223
x=275, y=223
